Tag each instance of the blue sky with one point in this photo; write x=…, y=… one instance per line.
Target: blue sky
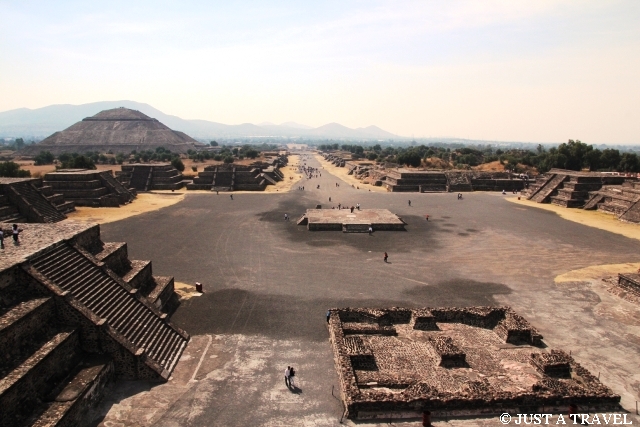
x=540, y=71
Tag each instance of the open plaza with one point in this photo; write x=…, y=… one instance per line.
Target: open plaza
x=486, y=304
x=268, y=284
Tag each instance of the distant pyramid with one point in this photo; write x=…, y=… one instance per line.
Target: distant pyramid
x=120, y=130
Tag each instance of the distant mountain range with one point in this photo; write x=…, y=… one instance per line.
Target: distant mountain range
x=42, y=122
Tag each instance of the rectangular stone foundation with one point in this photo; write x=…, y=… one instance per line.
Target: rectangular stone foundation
x=453, y=362
x=357, y=221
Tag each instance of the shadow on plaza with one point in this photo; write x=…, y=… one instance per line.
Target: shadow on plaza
x=420, y=234
x=237, y=311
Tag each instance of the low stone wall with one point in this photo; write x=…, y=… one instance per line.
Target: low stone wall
x=367, y=351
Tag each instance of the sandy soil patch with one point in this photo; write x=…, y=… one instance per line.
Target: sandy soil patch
x=185, y=290
x=343, y=174
x=594, y=219
x=291, y=176
x=595, y=272
x=145, y=202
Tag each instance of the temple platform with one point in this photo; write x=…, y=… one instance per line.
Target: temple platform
x=346, y=221
x=472, y=361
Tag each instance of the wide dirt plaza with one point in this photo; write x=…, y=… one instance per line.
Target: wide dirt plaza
x=268, y=284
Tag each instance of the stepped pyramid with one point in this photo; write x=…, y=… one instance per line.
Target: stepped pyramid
x=121, y=130
x=76, y=313
x=29, y=200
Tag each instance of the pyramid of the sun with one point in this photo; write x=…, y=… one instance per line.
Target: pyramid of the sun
x=120, y=130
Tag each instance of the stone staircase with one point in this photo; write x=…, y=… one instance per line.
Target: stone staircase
x=151, y=176
x=140, y=178
x=32, y=204
x=46, y=378
x=9, y=212
x=125, y=195
x=543, y=193
x=111, y=299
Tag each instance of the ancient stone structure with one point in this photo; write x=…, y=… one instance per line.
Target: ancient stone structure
x=120, y=130
x=436, y=181
x=89, y=187
x=630, y=282
x=399, y=362
x=357, y=221
x=337, y=159
x=75, y=313
x=229, y=177
x=404, y=180
x=28, y=200
x=569, y=189
x=621, y=200
x=151, y=176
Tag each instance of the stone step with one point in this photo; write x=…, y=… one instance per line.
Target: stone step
x=78, y=394
x=115, y=256
x=38, y=201
x=23, y=329
x=161, y=291
x=139, y=274
x=105, y=297
x=36, y=377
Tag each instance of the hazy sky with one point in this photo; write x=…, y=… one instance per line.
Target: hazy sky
x=535, y=70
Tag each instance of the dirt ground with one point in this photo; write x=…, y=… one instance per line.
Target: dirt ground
x=594, y=219
x=268, y=283
x=343, y=174
x=145, y=202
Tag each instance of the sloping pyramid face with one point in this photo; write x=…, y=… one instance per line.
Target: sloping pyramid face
x=120, y=130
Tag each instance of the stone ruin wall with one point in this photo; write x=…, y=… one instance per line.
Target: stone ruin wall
x=554, y=392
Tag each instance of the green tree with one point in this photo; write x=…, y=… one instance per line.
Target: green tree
x=12, y=170
x=410, y=158
x=610, y=159
x=177, y=163
x=213, y=143
x=44, y=158
x=629, y=163
x=228, y=159
x=252, y=154
x=19, y=144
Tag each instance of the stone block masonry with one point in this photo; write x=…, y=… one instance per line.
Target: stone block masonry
x=89, y=187
x=75, y=313
x=28, y=200
x=453, y=362
x=151, y=176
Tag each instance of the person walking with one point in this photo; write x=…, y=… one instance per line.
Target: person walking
x=231, y=195
x=287, y=377
x=427, y=217
x=16, y=231
x=409, y=202
x=1, y=239
x=370, y=230
x=386, y=257
x=292, y=377
x=286, y=217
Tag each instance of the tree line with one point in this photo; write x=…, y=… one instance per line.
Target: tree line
x=572, y=155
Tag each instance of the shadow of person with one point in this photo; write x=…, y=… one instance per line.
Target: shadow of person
x=295, y=389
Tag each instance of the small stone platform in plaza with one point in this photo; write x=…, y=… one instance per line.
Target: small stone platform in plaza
x=470, y=361
x=347, y=221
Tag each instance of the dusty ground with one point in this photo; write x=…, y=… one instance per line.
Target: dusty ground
x=595, y=219
x=268, y=282
x=144, y=202
x=342, y=173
